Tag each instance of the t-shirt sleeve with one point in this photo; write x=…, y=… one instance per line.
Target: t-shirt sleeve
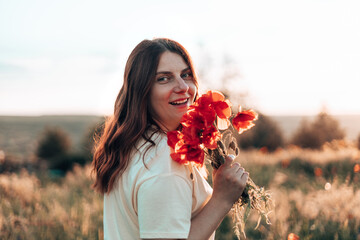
x=164, y=207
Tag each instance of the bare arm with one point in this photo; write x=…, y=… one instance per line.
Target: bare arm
x=229, y=183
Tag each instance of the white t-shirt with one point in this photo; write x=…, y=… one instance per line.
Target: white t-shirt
x=157, y=200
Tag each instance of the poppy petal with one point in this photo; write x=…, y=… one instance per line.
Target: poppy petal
x=244, y=120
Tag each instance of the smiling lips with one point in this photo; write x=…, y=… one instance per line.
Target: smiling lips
x=180, y=101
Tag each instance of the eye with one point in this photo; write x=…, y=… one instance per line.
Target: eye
x=163, y=79
x=187, y=76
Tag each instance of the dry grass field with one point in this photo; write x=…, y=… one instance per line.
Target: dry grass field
x=316, y=195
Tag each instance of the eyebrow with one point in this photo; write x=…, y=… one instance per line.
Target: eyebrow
x=168, y=72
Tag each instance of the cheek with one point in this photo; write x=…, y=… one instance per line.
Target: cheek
x=158, y=97
x=155, y=93
x=156, y=108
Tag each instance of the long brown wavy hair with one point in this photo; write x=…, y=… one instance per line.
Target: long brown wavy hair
x=131, y=119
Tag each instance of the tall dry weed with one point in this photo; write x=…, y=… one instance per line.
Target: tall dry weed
x=339, y=203
x=66, y=210
x=70, y=209
x=22, y=187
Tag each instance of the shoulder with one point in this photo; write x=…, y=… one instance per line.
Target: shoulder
x=148, y=149
x=156, y=158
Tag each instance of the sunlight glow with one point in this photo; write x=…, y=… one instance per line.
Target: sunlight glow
x=268, y=55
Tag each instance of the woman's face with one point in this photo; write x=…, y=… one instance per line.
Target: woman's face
x=173, y=91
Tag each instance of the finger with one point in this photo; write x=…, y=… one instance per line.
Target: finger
x=236, y=165
x=229, y=160
x=240, y=170
x=245, y=176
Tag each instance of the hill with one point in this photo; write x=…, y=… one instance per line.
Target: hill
x=19, y=134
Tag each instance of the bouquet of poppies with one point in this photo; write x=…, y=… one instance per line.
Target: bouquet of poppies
x=199, y=136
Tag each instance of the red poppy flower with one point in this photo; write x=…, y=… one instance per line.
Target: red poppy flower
x=198, y=130
x=318, y=172
x=357, y=168
x=185, y=153
x=208, y=98
x=244, y=120
x=192, y=134
x=216, y=101
x=198, y=118
x=213, y=104
x=173, y=138
x=293, y=236
x=207, y=112
x=214, y=96
x=210, y=137
x=203, y=101
x=222, y=109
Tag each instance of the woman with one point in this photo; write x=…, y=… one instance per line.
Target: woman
x=146, y=194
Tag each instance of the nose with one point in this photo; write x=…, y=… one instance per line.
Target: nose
x=181, y=85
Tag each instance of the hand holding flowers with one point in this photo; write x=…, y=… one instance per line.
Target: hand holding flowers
x=229, y=181
x=198, y=136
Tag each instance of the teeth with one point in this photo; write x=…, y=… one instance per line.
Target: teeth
x=179, y=102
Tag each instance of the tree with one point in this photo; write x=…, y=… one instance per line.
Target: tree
x=54, y=142
x=54, y=147
x=313, y=135
x=265, y=133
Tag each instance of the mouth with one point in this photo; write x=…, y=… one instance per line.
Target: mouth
x=180, y=102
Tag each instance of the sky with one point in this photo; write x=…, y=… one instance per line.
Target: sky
x=284, y=57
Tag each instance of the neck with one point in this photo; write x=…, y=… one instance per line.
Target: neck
x=164, y=127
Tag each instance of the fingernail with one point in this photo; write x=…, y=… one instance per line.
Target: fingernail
x=232, y=156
